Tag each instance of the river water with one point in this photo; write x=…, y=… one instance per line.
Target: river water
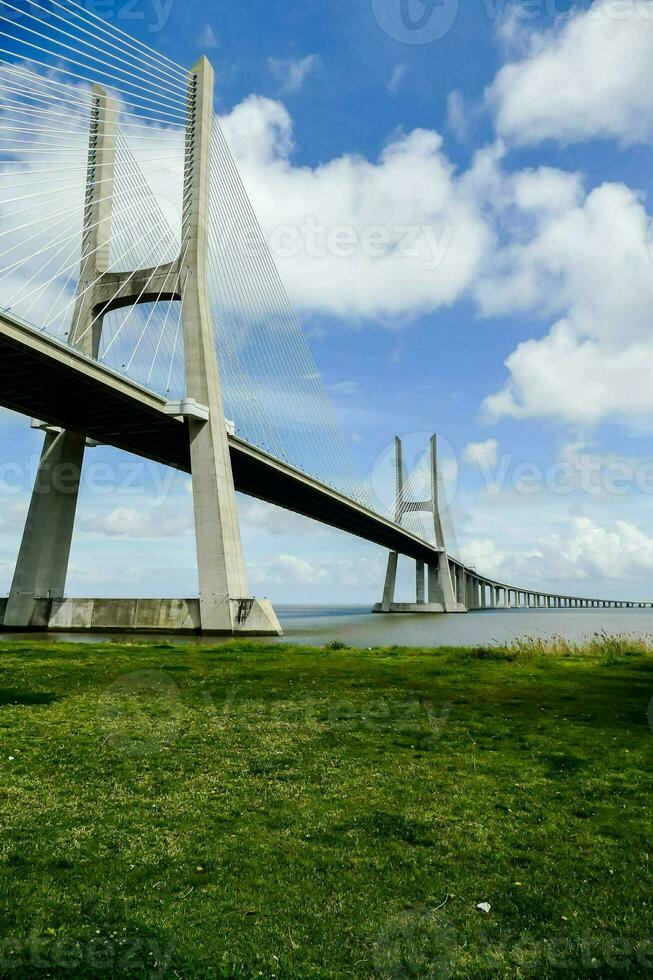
x=357, y=627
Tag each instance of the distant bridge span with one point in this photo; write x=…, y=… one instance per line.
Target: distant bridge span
x=51, y=381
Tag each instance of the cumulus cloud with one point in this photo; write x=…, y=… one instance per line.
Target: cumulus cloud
x=258, y=517
x=289, y=568
x=292, y=73
x=590, y=551
x=484, y=454
x=584, y=261
x=585, y=551
x=140, y=523
x=590, y=76
x=388, y=239
x=483, y=555
x=208, y=39
x=350, y=574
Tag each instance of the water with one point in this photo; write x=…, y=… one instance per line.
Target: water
x=357, y=627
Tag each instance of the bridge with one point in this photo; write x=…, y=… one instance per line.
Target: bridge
x=129, y=318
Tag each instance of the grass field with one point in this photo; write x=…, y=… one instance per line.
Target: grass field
x=248, y=811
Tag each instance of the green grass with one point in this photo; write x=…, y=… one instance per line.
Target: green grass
x=247, y=811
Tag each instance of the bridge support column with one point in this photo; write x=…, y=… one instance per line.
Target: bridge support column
x=420, y=586
x=390, y=582
x=225, y=603
x=42, y=565
x=461, y=598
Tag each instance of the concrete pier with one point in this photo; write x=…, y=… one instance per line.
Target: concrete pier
x=134, y=616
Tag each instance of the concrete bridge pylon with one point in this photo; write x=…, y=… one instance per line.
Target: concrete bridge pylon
x=225, y=604
x=437, y=590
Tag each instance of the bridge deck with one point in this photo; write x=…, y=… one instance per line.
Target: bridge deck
x=46, y=379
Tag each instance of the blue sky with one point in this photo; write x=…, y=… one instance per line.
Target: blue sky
x=521, y=135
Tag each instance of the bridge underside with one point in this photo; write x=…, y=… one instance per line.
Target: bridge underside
x=52, y=382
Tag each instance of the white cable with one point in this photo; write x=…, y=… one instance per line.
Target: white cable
x=64, y=71
x=84, y=54
x=175, y=81
x=79, y=64
x=130, y=42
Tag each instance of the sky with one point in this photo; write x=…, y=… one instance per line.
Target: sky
x=500, y=153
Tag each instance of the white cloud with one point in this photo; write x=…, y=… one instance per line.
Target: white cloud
x=394, y=83
x=292, y=74
x=258, y=517
x=289, y=568
x=482, y=454
x=590, y=76
x=575, y=380
x=146, y=523
x=208, y=39
x=12, y=518
x=584, y=261
x=584, y=551
x=348, y=571
x=386, y=239
x=483, y=555
x=457, y=116
x=589, y=551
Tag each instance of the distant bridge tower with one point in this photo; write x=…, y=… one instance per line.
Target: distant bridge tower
x=225, y=605
x=440, y=580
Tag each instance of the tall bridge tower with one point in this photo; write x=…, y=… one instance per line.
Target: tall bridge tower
x=441, y=595
x=225, y=605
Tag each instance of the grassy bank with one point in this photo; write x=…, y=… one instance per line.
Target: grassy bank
x=245, y=811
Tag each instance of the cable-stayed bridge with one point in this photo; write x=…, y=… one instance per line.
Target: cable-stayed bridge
x=140, y=308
